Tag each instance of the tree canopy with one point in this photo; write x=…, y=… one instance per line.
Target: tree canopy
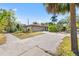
x=8, y=21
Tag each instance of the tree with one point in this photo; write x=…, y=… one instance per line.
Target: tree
x=52, y=27
x=74, y=43
x=8, y=21
x=35, y=23
x=3, y=20
x=53, y=18
x=62, y=8
x=11, y=20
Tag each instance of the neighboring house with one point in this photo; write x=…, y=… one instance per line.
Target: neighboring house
x=37, y=27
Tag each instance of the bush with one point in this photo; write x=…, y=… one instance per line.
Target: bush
x=52, y=28
x=56, y=27
x=68, y=28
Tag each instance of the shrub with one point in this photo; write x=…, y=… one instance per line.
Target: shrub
x=52, y=28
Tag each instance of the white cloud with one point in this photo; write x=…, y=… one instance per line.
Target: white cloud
x=15, y=9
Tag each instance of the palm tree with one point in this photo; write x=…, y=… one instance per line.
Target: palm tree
x=62, y=8
x=53, y=18
x=74, y=45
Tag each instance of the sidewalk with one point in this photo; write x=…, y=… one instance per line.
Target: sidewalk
x=28, y=47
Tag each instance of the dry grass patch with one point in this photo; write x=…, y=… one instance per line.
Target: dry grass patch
x=65, y=47
x=26, y=35
x=2, y=39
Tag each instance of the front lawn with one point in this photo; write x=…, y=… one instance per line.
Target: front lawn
x=2, y=39
x=26, y=35
x=65, y=47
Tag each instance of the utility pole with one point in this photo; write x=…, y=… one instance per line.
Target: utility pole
x=28, y=21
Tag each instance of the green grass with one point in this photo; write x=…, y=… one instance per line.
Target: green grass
x=64, y=48
x=26, y=35
x=2, y=39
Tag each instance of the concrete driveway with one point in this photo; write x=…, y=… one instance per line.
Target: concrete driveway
x=41, y=45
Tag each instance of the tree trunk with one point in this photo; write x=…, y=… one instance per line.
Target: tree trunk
x=74, y=42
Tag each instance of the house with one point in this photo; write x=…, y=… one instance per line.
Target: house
x=37, y=27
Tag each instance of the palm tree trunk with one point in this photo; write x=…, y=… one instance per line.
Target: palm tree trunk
x=74, y=42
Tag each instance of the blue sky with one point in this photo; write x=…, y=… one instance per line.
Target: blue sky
x=35, y=12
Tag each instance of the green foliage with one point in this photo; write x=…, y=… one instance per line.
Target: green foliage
x=8, y=21
x=56, y=27
x=52, y=28
x=59, y=27
x=20, y=28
